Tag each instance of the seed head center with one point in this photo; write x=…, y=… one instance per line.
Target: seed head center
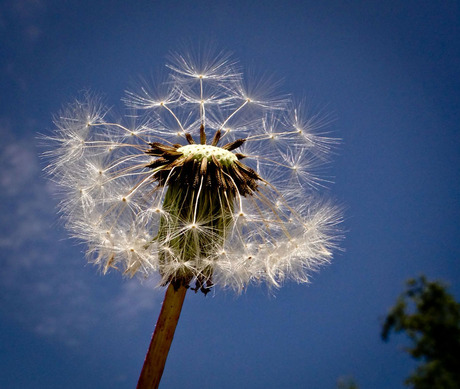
x=225, y=157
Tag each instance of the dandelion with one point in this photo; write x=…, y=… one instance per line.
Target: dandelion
x=211, y=182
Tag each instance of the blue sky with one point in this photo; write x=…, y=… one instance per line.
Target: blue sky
x=387, y=71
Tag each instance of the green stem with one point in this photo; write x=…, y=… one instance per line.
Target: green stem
x=162, y=337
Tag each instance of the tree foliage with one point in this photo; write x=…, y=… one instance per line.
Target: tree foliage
x=430, y=317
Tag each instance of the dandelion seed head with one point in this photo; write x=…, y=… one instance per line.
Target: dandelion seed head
x=216, y=184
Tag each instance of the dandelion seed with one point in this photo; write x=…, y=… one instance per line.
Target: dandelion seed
x=215, y=185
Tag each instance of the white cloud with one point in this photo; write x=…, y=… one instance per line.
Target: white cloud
x=136, y=297
x=44, y=283
x=18, y=167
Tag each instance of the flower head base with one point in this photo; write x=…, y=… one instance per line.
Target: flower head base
x=161, y=197
x=202, y=181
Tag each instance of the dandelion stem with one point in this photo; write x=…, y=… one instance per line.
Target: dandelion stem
x=162, y=338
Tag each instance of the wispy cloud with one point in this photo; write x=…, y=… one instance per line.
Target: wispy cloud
x=44, y=283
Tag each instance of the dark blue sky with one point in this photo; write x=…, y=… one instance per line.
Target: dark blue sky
x=387, y=71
